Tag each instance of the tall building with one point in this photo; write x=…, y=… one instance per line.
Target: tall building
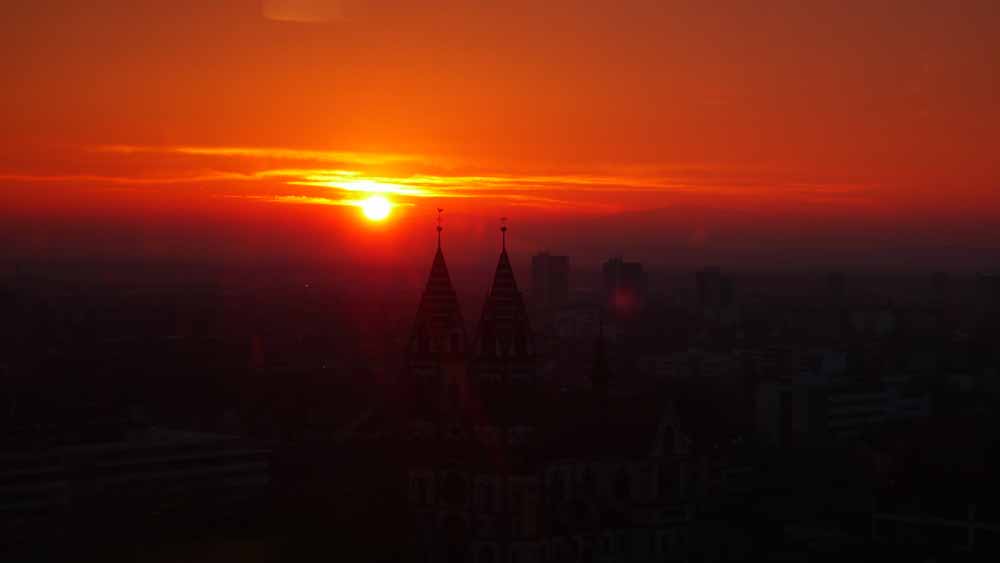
x=715, y=297
x=435, y=364
x=624, y=286
x=988, y=286
x=549, y=280
x=836, y=285
x=504, y=350
x=715, y=291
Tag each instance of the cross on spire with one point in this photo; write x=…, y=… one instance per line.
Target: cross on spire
x=503, y=233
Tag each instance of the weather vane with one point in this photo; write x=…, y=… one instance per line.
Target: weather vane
x=440, y=211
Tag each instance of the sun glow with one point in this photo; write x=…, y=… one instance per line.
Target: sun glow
x=376, y=207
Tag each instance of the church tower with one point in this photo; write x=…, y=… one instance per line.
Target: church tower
x=503, y=350
x=436, y=363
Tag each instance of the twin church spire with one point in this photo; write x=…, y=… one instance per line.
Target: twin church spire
x=501, y=348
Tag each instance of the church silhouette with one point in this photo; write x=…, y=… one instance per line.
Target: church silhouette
x=505, y=467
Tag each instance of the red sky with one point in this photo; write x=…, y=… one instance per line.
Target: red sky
x=672, y=131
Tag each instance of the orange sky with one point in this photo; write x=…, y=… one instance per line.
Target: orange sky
x=825, y=117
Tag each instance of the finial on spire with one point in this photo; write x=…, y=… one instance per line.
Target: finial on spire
x=503, y=233
x=439, y=228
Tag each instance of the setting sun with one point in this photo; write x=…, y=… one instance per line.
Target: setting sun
x=376, y=208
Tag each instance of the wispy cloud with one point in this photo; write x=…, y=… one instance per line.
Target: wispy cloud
x=124, y=180
x=311, y=200
x=307, y=155
x=319, y=177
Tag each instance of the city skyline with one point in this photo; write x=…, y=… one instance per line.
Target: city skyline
x=510, y=281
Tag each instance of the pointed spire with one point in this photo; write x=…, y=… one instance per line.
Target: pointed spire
x=504, y=332
x=439, y=304
x=437, y=347
x=439, y=228
x=504, y=284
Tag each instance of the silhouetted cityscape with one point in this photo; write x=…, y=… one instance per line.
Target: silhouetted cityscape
x=620, y=415
x=452, y=281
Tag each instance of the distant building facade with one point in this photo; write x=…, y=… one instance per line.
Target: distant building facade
x=819, y=403
x=160, y=476
x=988, y=287
x=625, y=286
x=549, y=280
x=836, y=287
x=716, y=302
x=715, y=290
x=575, y=501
